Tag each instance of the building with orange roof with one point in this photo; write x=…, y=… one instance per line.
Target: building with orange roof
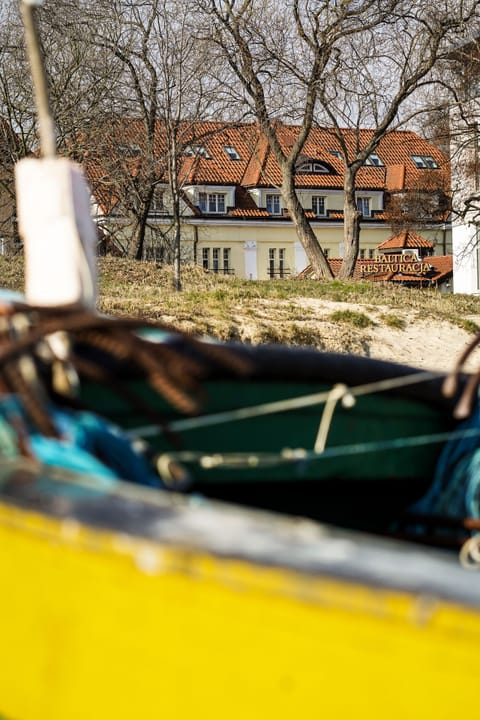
x=406, y=259
x=234, y=220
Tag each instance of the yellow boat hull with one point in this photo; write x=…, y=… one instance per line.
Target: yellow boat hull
x=102, y=625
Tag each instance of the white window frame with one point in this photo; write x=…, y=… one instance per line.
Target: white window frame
x=211, y=259
x=314, y=168
x=232, y=152
x=319, y=200
x=157, y=205
x=277, y=266
x=206, y=258
x=212, y=202
x=129, y=150
x=373, y=160
x=226, y=260
x=364, y=203
x=425, y=162
x=273, y=202
x=196, y=151
x=272, y=252
x=216, y=260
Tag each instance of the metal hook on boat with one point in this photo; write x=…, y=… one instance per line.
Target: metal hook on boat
x=469, y=555
x=173, y=475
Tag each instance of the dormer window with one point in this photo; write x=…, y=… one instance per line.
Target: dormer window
x=232, y=152
x=211, y=202
x=373, y=159
x=336, y=153
x=196, y=151
x=128, y=150
x=425, y=162
x=363, y=205
x=157, y=206
x=314, y=168
x=274, y=205
x=318, y=205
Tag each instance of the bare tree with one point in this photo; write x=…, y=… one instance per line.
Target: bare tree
x=283, y=55
x=460, y=83
x=124, y=32
x=377, y=82
x=187, y=96
x=79, y=88
x=17, y=118
x=126, y=87
x=419, y=206
x=157, y=94
x=100, y=72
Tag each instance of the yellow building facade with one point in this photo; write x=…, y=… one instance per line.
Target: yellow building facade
x=253, y=251
x=234, y=219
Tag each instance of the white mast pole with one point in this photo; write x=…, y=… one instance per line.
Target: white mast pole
x=53, y=205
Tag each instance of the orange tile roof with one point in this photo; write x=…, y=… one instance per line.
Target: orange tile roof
x=256, y=165
x=404, y=240
x=243, y=212
x=245, y=205
x=395, y=150
x=441, y=270
x=308, y=213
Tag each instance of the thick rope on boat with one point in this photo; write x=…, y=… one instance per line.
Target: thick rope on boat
x=26, y=331
x=40, y=365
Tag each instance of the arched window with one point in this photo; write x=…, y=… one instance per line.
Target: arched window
x=314, y=167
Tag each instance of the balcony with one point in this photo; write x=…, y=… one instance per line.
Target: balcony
x=218, y=270
x=274, y=272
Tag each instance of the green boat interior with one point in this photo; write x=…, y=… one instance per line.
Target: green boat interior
x=349, y=441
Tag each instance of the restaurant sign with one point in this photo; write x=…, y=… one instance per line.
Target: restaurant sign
x=407, y=263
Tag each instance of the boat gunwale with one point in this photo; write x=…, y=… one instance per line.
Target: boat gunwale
x=236, y=533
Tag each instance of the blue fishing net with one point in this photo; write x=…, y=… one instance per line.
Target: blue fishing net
x=88, y=444
x=455, y=490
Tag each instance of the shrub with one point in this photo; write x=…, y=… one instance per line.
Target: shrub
x=351, y=317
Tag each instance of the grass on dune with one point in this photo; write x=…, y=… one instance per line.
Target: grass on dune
x=259, y=311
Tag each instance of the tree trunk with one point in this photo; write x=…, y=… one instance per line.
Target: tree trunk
x=305, y=234
x=136, y=244
x=351, y=226
x=173, y=151
x=177, y=283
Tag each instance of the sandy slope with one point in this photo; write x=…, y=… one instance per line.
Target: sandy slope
x=430, y=344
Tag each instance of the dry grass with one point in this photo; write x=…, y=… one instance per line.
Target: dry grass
x=330, y=315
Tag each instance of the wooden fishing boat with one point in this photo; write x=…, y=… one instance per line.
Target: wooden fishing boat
x=347, y=440
x=122, y=600
x=287, y=429
x=126, y=600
